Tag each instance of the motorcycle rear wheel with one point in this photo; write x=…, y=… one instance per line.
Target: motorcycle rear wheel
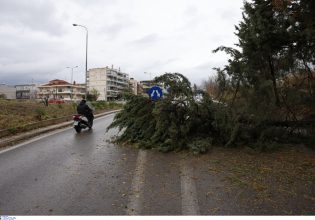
x=77, y=129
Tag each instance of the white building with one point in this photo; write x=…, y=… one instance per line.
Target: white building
x=61, y=90
x=146, y=85
x=109, y=82
x=26, y=91
x=134, y=86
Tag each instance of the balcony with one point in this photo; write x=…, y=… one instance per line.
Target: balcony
x=65, y=92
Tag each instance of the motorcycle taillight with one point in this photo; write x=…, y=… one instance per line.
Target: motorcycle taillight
x=76, y=117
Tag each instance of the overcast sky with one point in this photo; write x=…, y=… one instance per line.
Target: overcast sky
x=38, y=41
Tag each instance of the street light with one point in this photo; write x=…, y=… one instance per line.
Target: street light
x=71, y=72
x=86, y=49
x=71, y=82
x=150, y=77
x=149, y=74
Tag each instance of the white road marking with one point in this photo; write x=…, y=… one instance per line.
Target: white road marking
x=188, y=190
x=136, y=196
x=41, y=136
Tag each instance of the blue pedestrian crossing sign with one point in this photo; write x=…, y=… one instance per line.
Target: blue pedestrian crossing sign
x=155, y=93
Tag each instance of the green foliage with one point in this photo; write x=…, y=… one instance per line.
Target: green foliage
x=99, y=105
x=13, y=130
x=268, y=79
x=267, y=84
x=136, y=120
x=186, y=119
x=40, y=113
x=200, y=145
x=178, y=121
x=3, y=96
x=74, y=106
x=93, y=95
x=103, y=105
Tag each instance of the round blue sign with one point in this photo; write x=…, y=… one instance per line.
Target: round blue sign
x=155, y=93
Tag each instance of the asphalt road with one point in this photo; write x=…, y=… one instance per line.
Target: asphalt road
x=67, y=173
x=64, y=173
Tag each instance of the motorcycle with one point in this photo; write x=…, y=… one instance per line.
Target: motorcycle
x=81, y=122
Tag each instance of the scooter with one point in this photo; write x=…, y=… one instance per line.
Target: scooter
x=81, y=122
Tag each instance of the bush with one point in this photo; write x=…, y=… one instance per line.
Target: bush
x=40, y=113
x=3, y=96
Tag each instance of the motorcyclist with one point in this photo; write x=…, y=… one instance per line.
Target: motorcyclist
x=84, y=109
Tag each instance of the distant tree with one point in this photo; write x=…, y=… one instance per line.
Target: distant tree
x=3, y=96
x=211, y=87
x=93, y=95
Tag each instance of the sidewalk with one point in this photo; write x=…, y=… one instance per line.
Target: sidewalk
x=7, y=141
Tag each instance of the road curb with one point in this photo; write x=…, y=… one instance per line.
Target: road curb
x=14, y=139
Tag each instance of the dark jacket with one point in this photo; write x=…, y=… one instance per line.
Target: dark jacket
x=84, y=109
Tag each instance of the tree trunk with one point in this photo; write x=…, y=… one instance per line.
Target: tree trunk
x=236, y=91
x=274, y=83
x=310, y=78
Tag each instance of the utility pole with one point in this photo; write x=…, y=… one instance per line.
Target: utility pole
x=71, y=82
x=86, y=54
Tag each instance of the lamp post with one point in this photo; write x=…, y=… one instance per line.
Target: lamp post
x=71, y=82
x=149, y=74
x=150, y=77
x=86, y=49
x=71, y=72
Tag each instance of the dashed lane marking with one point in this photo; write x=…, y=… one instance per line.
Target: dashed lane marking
x=136, y=196
x=188, y=190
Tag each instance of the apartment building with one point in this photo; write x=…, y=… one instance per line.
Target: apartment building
x=146, y=85
x=61, y=90
x=26, y=91
x=135, y=86
x=109, y=82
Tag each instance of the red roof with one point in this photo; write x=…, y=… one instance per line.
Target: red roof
x=57, y=82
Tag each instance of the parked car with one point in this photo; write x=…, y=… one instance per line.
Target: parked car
x=56, y=101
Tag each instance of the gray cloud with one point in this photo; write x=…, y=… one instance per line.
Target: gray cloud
x=202, y=71
x=112, y=29
x=32, y=14
x=95, y=3
x=191, y=11
x=162, y=64
x=38, y=40
x=147, y=39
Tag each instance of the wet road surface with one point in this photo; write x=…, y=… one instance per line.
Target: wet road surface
x=67, y=173
x=83, y=174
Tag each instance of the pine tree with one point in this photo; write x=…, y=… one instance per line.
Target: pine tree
x=178, y=121
x=265, y=78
